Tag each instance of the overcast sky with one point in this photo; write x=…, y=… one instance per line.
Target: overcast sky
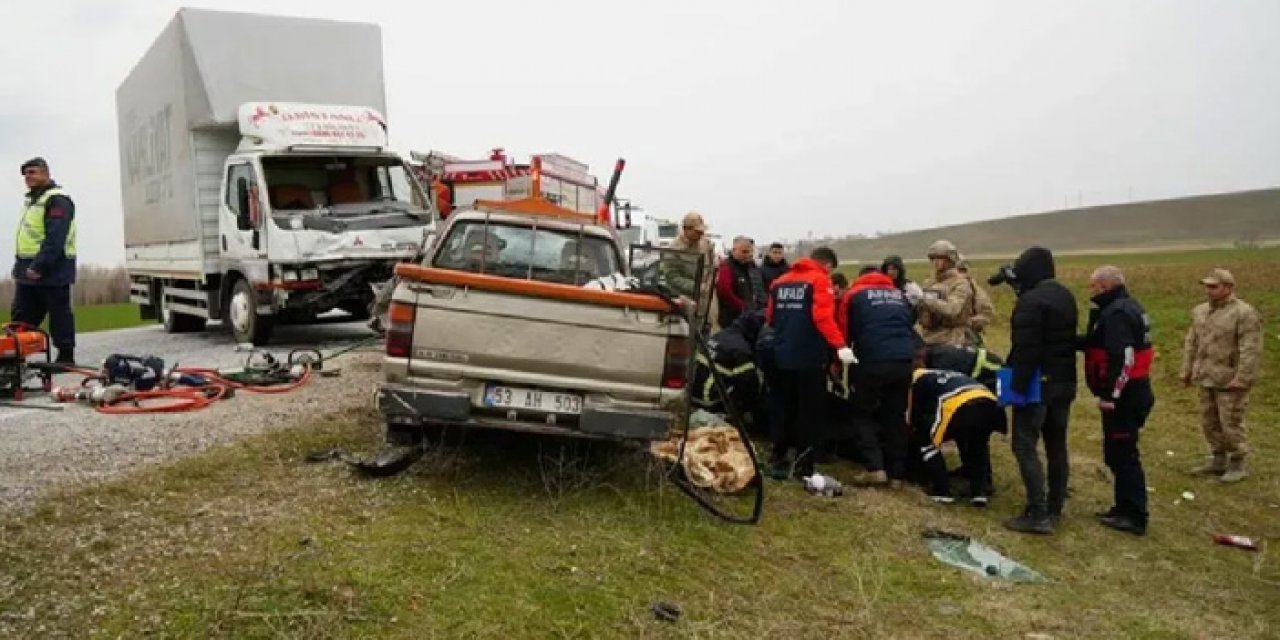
x=773, y=119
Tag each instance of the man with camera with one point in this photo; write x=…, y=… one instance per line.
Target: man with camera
x=945, y=305
x=1043, y=350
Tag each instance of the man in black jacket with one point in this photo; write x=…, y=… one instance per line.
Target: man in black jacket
x=1043, y=345
x=1117, y=369
x=773, y=265
x=739, y=283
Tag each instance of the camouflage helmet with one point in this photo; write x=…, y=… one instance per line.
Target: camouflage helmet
x=944, y=249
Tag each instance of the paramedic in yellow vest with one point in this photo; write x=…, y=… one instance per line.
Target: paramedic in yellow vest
x=45, y=266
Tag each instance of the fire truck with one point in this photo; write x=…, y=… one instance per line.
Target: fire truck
x=458, y=183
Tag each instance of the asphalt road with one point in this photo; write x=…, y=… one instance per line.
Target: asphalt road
x=40, y=449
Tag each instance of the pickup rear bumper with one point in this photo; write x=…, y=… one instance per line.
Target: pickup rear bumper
x=411, y=406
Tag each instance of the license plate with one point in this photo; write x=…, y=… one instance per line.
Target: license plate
x=520, y=399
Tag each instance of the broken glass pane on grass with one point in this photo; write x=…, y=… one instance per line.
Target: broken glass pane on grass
x=968, y=554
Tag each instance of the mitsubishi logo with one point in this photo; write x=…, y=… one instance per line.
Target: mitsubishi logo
x=357, y=242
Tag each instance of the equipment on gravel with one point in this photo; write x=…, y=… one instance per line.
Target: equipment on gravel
x=20, y=342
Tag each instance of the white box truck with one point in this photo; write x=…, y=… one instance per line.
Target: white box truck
x=255, y=176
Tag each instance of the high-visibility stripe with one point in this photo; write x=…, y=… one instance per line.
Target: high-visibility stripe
x=949, y=404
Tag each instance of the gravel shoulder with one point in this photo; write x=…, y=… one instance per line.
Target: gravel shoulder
x=43, y=451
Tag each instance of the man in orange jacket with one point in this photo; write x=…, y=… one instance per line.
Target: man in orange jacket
x=801, y=313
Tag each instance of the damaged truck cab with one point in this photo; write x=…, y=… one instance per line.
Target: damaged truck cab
x=256, y=179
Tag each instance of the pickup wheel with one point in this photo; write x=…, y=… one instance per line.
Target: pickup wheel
x=242, y=313
x=175, y=322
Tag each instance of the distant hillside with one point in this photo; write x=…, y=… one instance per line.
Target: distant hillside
x=1245, y=217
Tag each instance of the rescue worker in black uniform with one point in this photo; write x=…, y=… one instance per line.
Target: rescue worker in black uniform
x=733, y=357
x=946, y=405
x=45, y=259
x=975, y=362
x=1117, y=366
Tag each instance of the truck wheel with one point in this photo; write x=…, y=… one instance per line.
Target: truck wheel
x=175, y=322
x=357, y=309
x=242, y=312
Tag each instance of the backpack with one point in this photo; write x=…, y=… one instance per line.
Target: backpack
x=142, y=373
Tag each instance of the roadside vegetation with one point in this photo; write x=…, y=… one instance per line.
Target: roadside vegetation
x=100, y=298
x=101, y=317
x=500, y=535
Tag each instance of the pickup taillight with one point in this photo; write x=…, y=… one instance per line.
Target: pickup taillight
x=400, y=319
x=675, y=370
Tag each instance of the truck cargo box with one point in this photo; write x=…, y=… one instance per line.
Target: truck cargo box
x=177, y=117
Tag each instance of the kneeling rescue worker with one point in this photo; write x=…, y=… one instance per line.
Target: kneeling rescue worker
x=45, y=264
x=946, y=405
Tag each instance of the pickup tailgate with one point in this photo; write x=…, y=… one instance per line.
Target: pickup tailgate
x=501, y=337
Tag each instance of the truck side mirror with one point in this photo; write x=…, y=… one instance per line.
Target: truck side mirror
x=243, y=220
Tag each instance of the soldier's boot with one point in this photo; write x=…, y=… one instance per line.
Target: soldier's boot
x=1215, y=465
x=1235, y=471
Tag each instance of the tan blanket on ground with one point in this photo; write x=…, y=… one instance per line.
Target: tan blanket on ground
x=715, y=458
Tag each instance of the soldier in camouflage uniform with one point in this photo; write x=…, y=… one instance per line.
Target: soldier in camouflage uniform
x=1222, y=357
x=947, y=307
x=679, y=275
x=981, y=304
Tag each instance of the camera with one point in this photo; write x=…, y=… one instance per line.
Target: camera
x=1003, y=275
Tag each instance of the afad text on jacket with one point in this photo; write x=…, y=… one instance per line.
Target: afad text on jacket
x=877, y=319
x=802, y=313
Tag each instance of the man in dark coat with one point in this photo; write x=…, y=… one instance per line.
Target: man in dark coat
x=1117, y=369
x=773, y=265
x=1043, y=341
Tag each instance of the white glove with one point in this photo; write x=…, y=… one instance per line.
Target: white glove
x=845, y=354
x=913, y=292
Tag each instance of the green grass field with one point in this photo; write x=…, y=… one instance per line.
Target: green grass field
x=519, y=537
x=101, y=317
x=1243, y=218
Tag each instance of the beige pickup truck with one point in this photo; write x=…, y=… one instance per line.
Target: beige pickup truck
x=505, y=325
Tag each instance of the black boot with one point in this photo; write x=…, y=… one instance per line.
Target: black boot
x=779, y=466
x=1123, y=523
x=66, y=356
x=1031, y=521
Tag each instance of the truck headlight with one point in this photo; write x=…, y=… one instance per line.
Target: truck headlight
x=311, y=274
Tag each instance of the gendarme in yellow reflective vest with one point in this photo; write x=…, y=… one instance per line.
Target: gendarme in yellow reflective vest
x=31, y=226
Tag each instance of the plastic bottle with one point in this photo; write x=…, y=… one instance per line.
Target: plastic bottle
x=818, y=484
x=1239, y=542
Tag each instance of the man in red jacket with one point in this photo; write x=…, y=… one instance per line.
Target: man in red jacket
x=801, y=313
